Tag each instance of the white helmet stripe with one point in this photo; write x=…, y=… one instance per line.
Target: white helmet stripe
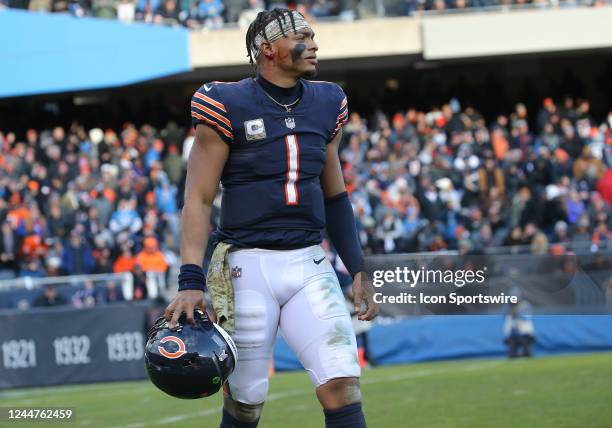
x=229, y=340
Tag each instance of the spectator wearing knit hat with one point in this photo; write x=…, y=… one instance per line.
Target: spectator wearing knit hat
x=126, y=260
x=151, y=259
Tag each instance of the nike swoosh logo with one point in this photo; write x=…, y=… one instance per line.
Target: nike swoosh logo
x=318, y=261
x=207, y=88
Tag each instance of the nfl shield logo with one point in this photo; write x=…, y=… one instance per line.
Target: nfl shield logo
x=236, y=272
x=290, y=122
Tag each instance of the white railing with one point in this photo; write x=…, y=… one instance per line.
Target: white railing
x=29, y=283
x=155, y=283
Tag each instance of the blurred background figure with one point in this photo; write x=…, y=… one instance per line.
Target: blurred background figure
x=77, y=257
x=113, y=293
x=140, y=283
x=9, y=245
x=86, y=296
x=151, y=259
x=519, y=331
x=50, y=297
x=32, y=269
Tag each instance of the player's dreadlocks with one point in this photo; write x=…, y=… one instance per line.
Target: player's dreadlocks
x=259, y=24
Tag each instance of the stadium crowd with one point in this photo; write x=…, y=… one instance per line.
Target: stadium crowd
x=77, y=201
x=444, y=179
x=213, y=14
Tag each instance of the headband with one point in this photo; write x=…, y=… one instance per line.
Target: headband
x=278, y=28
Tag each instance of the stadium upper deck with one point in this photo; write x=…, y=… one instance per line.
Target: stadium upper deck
x=214, y=14
x=110, y=54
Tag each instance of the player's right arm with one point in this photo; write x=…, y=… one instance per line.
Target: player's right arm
x=204, y=167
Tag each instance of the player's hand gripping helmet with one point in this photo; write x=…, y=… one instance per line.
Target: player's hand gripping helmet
x=189, y=361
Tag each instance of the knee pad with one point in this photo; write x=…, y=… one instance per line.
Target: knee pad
x=250, y=393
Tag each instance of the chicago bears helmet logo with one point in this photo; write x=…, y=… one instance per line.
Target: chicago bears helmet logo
x=181, y=347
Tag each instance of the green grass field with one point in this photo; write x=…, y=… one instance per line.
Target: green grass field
x=561, y=391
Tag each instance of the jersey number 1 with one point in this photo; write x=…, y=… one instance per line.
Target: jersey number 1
x=293, y=167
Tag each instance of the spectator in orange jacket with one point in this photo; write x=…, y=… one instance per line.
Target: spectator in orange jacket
x=151, y=259
x=18, y=212
x=33, y=246
x=125, y=262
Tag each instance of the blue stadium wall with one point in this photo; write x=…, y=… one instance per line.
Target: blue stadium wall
x=479, y=336
x=38, y=347
x=47, y=53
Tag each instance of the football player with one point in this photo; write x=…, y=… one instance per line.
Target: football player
x=272, y=141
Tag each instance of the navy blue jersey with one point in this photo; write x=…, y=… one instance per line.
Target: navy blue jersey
x=272, y=195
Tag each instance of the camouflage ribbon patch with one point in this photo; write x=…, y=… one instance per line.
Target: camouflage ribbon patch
x=219, y=282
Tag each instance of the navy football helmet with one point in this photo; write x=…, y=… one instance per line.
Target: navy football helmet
x=189, y=361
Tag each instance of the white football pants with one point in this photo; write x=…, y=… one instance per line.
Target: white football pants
x=297, y=290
